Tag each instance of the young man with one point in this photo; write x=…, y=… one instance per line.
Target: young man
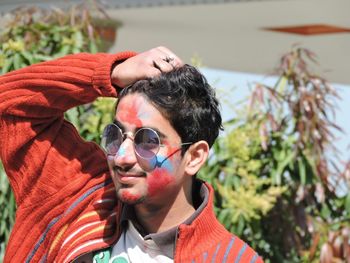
x=64, y=187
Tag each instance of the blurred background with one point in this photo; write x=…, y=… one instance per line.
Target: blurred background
x=281, y=70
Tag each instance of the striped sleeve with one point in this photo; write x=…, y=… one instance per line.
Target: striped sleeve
x=48, y=164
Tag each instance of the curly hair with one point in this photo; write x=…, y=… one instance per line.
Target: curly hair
x=184, y=97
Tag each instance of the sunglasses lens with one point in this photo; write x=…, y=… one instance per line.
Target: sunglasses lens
x=146, y=143
x=111, y=139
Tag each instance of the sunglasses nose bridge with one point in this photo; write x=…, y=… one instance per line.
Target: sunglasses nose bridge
x=127, y=135
x=125, y=141
x=126, y=153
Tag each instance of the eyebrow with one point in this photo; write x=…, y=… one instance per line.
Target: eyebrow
x=121, y=126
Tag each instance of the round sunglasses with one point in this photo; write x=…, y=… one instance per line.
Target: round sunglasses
x=146, y=141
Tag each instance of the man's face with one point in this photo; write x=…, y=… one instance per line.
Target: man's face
x=134, y=183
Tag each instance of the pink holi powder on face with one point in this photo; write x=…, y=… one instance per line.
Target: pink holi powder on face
x=162, y=176
x=158, y=180
x=172, y=153
x=171, y=150
x=128, y=112
x=129, y=197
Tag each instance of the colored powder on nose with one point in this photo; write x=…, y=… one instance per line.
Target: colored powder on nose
x=121, y=151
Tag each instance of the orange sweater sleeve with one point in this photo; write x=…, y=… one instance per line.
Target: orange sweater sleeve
x=42, y=152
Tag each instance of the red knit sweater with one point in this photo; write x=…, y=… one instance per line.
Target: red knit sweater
x=65, y=198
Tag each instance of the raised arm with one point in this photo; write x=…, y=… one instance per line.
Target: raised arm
x=34, y=137
x=33, y=100
x=52, y=171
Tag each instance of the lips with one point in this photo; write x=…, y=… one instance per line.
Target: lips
x=127, y=176
x=126, y=179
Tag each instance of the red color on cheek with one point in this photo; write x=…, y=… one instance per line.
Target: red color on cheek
x=129, y=197
x=128, y=113
x=158, y=180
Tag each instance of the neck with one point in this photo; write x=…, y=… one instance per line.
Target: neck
x=156, y=217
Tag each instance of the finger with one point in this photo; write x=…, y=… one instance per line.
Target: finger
x=152, y=72
x=162, y=65
x=166, y=51
x=157, y=52
x=173, y=63
x=171, y=57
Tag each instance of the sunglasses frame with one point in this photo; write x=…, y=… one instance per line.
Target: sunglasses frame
x=125, y=135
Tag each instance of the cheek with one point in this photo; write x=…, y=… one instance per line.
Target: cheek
x=162, y=176
x=158, y=180
x=110, y=162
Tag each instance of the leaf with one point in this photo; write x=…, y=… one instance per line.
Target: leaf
x=240, y=225
x=284, y=162
x=347, y=203
x=2, y=227
x=28, y=56
x=79, y=40
x=223, y=216
x=72, y=115
x=92, y=47
x=302, y=173
x=17, y=61
x=64, y=50
x=40, y=57
x=8, y=65
x=325, y=212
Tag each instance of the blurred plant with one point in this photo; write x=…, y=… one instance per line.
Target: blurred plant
x=91, y=119
x=7, y=208
x=33, y=35
x=281, y=150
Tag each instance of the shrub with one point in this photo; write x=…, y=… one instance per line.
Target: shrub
x=276, y=174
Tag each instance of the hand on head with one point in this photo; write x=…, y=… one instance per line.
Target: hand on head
x=145, y=65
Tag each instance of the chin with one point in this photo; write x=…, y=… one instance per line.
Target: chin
x=128, y=197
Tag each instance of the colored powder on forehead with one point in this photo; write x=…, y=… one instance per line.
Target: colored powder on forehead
x=128, y=112
x=158, y=180
x=126, y=196
x=144, y=115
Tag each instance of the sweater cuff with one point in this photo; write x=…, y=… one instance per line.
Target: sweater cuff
x=101, y=79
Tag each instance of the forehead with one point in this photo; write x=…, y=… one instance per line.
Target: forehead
x=134, y=110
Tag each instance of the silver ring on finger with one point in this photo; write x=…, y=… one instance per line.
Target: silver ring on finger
x=169, y=58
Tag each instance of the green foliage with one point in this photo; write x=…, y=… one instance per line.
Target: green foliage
x=243, y=194
x=29, y=44
x=91, y=119
x=36, y=35
x=7, y=208
x=275, y=171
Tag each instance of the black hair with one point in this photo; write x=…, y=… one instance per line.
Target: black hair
x=184, y=97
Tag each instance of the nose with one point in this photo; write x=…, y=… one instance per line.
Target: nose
x=125, y=157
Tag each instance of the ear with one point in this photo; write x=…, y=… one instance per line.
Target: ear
x=195, y=157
